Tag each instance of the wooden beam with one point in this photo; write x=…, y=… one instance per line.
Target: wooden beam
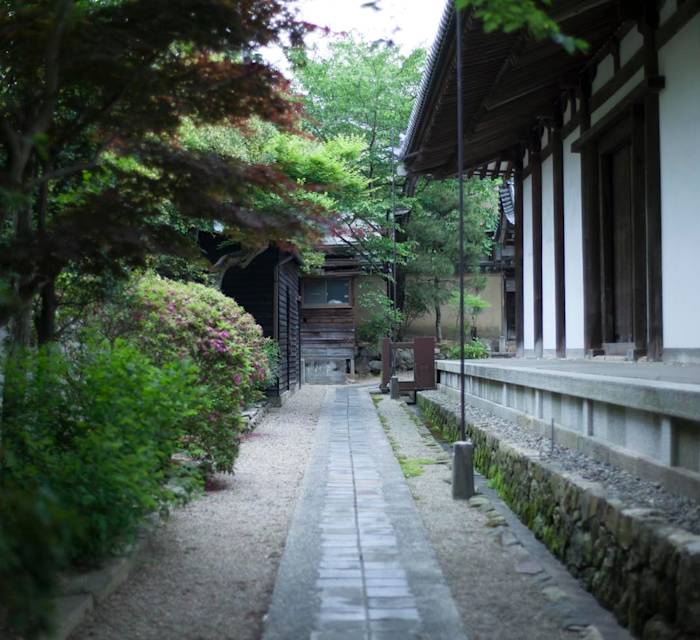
x=571, y=11
x=652, y=159
x=590, y=237
x=686, y=11
x=536, y=183
x=518, y=45
x=615, y=52
x=519, y=229
x=559, y=264
x=648, y=86
x=639, y=271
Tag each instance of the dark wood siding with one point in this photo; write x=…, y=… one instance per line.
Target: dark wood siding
x=288, y=322
x=253, y=287
x=268, y=289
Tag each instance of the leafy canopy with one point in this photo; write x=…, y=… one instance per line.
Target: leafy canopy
x=92, y=99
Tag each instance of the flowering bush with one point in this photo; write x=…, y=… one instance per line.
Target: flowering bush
x=174, y=320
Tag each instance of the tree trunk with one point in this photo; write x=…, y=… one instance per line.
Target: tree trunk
x=438, y=323
x=21, y=328
x=21, y=322
x=46, y=321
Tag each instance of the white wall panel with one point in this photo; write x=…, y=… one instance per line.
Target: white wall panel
x=549, y=301
x=604, y=72
x=617, y=96
x=679, y=62
x=528, y=290
x=630, y=44
x=573, y=248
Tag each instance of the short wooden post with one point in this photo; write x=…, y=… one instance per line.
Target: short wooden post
x=463, y=470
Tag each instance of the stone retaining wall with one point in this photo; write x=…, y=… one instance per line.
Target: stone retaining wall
x=644, y=571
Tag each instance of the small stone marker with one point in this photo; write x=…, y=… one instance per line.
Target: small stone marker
x=463, y=471
x=394, y=388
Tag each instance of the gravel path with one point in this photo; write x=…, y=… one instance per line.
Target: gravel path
x=495, y=601
x=210, y=571
x=619, y=484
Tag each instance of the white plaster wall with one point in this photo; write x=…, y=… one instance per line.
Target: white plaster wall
x=617, y=96
x=680, y=186
x=567, y=112
x=573, y=247
x=668, y=8
x=604, y=72
x=528, y=290
x=549, y=301
x=630, y=44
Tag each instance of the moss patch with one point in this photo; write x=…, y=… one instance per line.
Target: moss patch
x=413, y=467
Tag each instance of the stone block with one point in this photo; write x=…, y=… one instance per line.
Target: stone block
x=477, y=502
x=375, y=366
x=688, y=590
x=659, y=629
x=70, y=611
x=100, y=583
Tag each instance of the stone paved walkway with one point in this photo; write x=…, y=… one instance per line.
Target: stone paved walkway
x=358, y=563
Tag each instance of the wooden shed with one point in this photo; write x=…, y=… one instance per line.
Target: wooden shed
x=268, y=289
x=329, y=306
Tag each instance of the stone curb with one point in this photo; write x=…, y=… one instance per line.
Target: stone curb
x=646, y=572
x=253, y=416
x=81, y=593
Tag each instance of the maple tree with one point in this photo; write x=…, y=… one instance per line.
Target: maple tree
x=93, y=94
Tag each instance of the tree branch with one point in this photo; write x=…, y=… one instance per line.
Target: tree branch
x=51, y=67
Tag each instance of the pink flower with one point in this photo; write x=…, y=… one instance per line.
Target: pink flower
x=237, y=379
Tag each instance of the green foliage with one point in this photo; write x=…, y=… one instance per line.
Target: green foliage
x=413, y=467
x=433, y=231
x=352, y=91
x=511, y=15
x=473, y=350
x=34, y=539
x=312, y=260
x=382, y=319
x=87, y=439
x=363, y=90
x=173, y=320
x=318, y=178
x=473, y=305
x=102, y=160
x=445, y=429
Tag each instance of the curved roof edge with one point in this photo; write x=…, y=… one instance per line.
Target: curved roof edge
x=436, y=52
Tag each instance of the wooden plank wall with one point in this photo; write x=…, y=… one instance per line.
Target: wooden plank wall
x=328, y=332
x=288, y=324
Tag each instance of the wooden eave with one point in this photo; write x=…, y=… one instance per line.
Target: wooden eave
x=511, y=82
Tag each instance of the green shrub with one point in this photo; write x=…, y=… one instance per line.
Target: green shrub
x=35, y=537
x=87, y=440
x=382, y=319
x=473, y=350
x=173, y=320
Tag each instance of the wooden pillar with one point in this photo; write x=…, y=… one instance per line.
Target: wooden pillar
x=519, y=230
x=639, y=237
x=559, y=262
x=652, y=159
x=536, y=175
x=590, y=236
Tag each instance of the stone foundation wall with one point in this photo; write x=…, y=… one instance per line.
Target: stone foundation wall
x=644, y=571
